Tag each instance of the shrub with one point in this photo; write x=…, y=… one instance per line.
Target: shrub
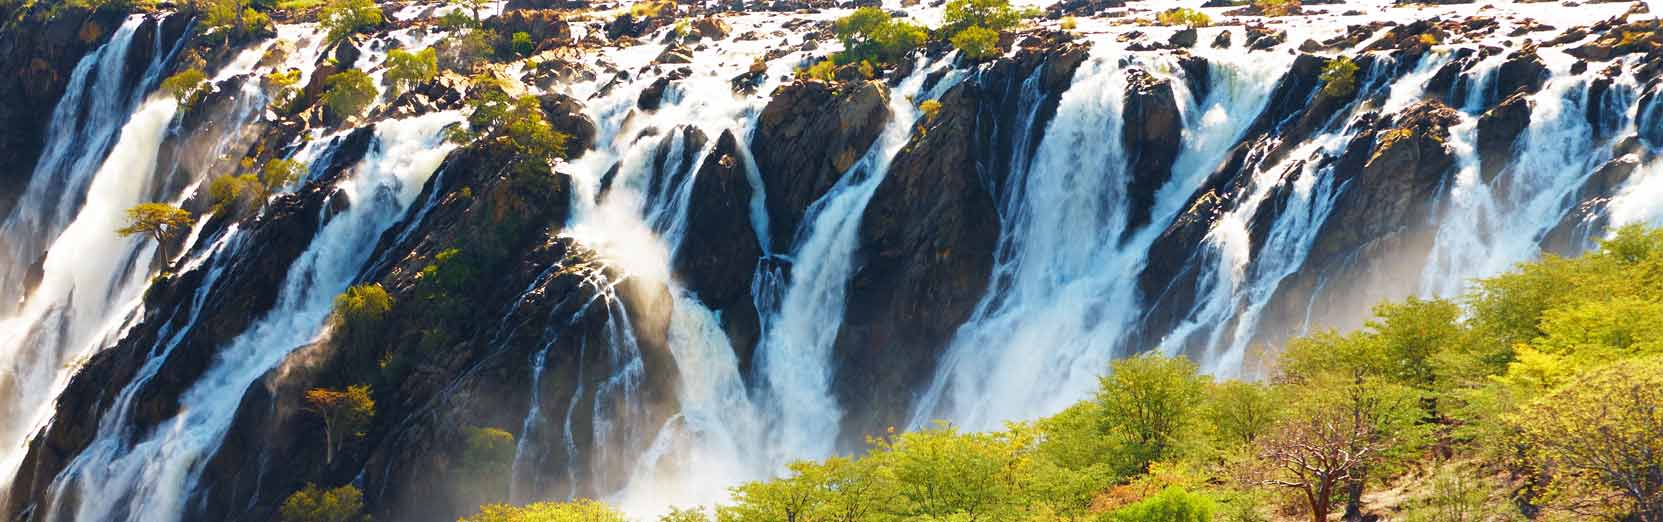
x=350, y=91
x=825, y=71
x=930, y=108
x=1172, y=504
x=652, y=8
x=456, y=20
x=521, y=44
x=345, y=415
x=186, y=86
x=344, y=17
x=358, y=312
x=342, y=504
x=1339, y=77
x=228, y=191
x=1596, y=440
x=465, y=50
x=487, y=451
x=1069, y=23
x=279, y=173
x=581, y=510
x=977, y=43
x=1428, y=39
x=284, y=89
x=406, y=69
x=1277, y=7
x=869, y=34
x=996, y=15
x=1183, y=16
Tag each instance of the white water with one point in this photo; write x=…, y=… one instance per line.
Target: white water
x=150, y=478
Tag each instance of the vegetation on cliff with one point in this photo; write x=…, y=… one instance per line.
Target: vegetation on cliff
x=1537, y=394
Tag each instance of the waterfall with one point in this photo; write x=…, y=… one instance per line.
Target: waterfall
x=151, y=477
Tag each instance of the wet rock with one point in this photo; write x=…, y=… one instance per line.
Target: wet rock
x=546, y=27
x=653, y=96
x=565, y=114
x=1184, y=38
x=1082, y=7
x=1152, y=138
x=1498, y=129
x=1260, y=37
x=674, y=54
x=1222, y=41
x=807, y=136
x=711, y=27
x=1524, y=71
x=720, y=252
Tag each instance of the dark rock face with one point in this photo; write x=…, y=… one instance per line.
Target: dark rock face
x=807, y=136
x=1522, y=72
x=545, y=27
x=1152, y=137
x=566, y=115
x=1498, y=129
x=719, y=254
x=928, y=235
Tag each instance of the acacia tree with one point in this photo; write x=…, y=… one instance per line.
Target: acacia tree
x=158, y=221
x=1316, y=456
x=1150, y=400
x=345, y=414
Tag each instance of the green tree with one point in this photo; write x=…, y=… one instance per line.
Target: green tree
x=284, y=89
x=342, y=18
x=187, y=86
x=345, y=415
x=158, y=221
x=405, y=69
x=582, y=510
x=1170, y=505
x=1339, y=77
x=342, y=504
x=976, y=42
x=994, y=15
x=1242, y=412
x=1597, y=441
x=521, y=44
x=1183, y=16
x=1151, y=401
x=234, y=192
x=685, y=515
x=350, y=91
x=869, y=34
x=358, y=313
x=473, y=6
x=279, y=173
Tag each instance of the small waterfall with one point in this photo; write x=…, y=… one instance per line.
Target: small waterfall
x=794, y=359
x=152, y=477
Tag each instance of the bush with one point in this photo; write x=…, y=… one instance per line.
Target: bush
x=350, y=91
x=977, y=43
x=582, y=510
x=930, y=108
x=186, y=86
x=1069, y=23
x=279, y=173
x=229, y=192
x=358, y=313
x=456, y=20
x=465, y=50
x=487, y=451
x=1277, y=7
x=869, y=34
x=1339, y=77
x=345, y=17
x=405, y=69
x=345, y=415
x=284, y=89
x=996, y=15
x=1172, y=504
x=652, y=8
x=825, y=71
x=342, y=504
x=1183, y=16
x=520, y=121
x=522, y=45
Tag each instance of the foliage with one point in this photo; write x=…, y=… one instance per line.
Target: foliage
x=310, y=504
x=994, y=15
x=345, y=415
x=1150, y=401
x=487, y=450
x=930, y=108
x=229, y=191
x=519, y=122
x=1171, y=505
x=279, y=173
x=234, y=19
x=473, y=6
x=1068, y=24
x=285, y=89
x=824, y=70
x=186, y=86
x=869, y=34
x=1459, y=494
x=342, y=18
x=349, y=92
x=1596, y=439
x=652, y=9
x=521, y=44
x=1183, y=16
x=1277, y=7
x=1339, y=77
x=976, y=42
x=358, y=312
x=406, y=70
x=465, y=50
x=456, y=20
x=158, y=221
x=582, y=510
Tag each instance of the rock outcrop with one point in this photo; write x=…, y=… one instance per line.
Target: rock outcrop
x=808, y=135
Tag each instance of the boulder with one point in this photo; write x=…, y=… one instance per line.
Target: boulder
x=674, y=53
x=545, y=26
x=807, y=136
x=565, y=114
x=1184, y=38
x=711, y=27
x=1498, y=129
x=719, y=254
x=1524, y=71
x=1153, y=135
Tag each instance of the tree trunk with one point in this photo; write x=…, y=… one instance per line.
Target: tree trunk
x=1354, y=496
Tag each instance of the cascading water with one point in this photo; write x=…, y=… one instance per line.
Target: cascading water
x=151, y=477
